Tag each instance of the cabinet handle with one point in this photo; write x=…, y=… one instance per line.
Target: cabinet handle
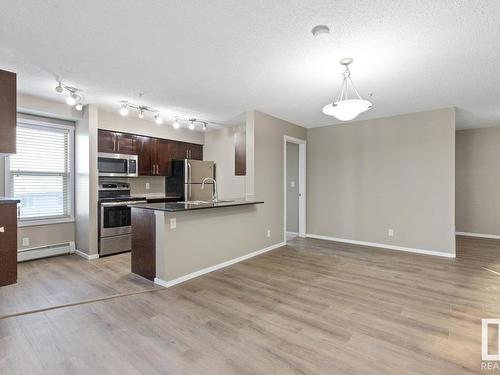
x=2, y=229
x=153, y=169
x=118, y=145
x=114, y=144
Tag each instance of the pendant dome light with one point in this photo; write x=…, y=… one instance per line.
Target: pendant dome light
x=347, y=107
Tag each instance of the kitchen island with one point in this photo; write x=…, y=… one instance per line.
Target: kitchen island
x=173, y=242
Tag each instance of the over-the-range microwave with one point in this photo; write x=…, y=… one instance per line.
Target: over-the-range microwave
x=117, y=165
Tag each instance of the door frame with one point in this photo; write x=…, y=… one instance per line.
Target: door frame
x=302, y=184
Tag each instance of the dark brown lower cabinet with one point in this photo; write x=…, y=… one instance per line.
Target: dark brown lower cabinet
x=8, y=243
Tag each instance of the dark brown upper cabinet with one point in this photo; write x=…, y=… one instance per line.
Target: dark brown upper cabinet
x=8, y=112
x=183, y=150
x=240, y=153
x=116, y=143
x=155, y=155
x=146, y=154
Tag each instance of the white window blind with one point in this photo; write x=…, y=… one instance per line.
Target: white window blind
x=41, y=172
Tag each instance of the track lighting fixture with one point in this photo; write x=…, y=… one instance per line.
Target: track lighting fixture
x=176, y=124
x=191, y=123
x=142, y=109
x=75, y=97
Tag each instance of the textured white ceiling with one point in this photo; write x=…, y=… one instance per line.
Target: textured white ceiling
x=215, y=59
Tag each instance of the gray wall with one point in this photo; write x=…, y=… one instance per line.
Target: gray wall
x=366, y=177
x=292, y=193
x=478, y=181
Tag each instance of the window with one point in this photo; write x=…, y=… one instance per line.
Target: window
x=40, y=174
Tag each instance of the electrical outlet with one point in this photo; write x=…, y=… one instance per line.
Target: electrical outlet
x=173, y=223
x=148, y=186
x=390, y=232
x=292, y=184
x=26, y=241
x=269, y=233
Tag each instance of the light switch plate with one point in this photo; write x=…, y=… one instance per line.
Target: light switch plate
x=148, y=186
x=26, y=241
x=292, y=184
x=173, y=223
x=390, y=232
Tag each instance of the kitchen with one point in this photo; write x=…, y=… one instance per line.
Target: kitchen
x=284, y=190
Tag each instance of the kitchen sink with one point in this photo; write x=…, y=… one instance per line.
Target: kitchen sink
x=194, y=202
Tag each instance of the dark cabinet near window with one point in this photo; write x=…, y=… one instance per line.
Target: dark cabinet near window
x=116, y=143
x=8, y=112
x=8, y=241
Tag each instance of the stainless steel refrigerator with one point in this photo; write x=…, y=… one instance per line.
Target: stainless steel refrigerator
x=187, y=177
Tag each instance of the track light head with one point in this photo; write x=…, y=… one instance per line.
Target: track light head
x=124, y=110
x=59, y=88
x=191, y=125
x=72, y=99
x=79, y=106
x=158, y=119
x=176, y=124
x=204, y=126
x=141, y=113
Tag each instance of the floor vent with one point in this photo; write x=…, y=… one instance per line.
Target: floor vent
x=45, y=251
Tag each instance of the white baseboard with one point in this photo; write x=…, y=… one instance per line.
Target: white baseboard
x=87, y=256
x=45, y=251
x=493, y=236
x=384, y=246
x=203, y=271
x=292, y=233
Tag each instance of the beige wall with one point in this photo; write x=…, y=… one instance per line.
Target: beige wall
x=229, y=233
x=292, y=193
x=132, y=124
x=478, y=181
x=366, y=177
x=220, y=147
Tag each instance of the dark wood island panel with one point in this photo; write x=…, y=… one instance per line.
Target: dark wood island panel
x=143, y=257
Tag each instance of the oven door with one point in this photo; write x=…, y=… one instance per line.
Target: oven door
x=115, y=219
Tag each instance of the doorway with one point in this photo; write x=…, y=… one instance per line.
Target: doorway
x=294, y=188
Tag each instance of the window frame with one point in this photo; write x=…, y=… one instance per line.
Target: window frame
x=71, y=143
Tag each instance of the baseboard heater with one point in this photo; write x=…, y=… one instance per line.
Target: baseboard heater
x=45, y=251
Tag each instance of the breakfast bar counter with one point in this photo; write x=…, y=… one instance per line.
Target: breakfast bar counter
x=175, y=241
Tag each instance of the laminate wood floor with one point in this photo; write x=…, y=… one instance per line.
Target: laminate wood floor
x=49, y=282
x=311, y=307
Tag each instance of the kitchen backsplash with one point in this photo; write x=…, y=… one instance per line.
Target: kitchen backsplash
x=138, y=184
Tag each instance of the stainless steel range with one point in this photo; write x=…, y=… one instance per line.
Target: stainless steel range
x=115, y=217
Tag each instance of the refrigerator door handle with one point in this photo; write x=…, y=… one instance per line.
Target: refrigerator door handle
x=189, y=180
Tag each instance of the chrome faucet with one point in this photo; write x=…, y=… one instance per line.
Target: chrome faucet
x=215, y=196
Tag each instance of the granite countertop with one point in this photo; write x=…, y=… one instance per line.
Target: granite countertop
x=182, y=206
x=8, y=200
